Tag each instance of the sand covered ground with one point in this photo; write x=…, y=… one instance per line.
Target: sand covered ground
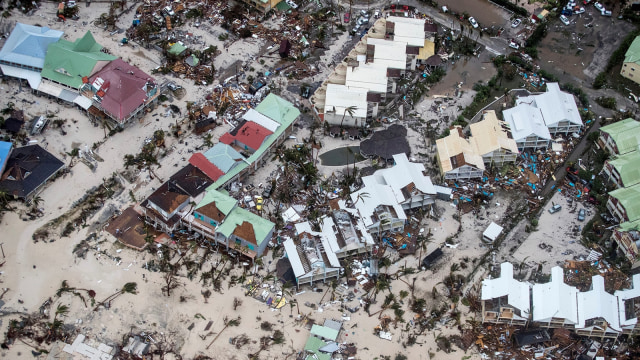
x=33, y=271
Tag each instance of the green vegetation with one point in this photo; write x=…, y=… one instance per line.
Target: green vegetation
x=616, y=59
x=606, y=102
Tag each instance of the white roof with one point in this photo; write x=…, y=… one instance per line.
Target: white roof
x=340, y=97
x=83, y=101
x=555, y=105
x=408, y=30
x=290, y=215
x=517, y=292
x=624, y=295
x=327, y=237
x=555, y=299
x=525, y=120
x=262, y=120
x=294, y=258
x=597, y=303
x=372, y=77
x=385, y=186
x=32, y=77
x=28, y=44
x=493, y=231
x=391, y=54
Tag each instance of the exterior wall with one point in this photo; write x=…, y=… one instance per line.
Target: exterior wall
x=336, y=119
x=21, y=66
x=499, y=157
x=555, y=323
x=606, y=142
x=631, y=71
x=616, y=209
x=597, y=333
x=564, y=127
x=164, y=213
x=612, y=175
x=205, y=219
x=322, y=275
x=504, y=316
x=532, y=142
x=417, y=201
x=626, y=244
x=464, y=172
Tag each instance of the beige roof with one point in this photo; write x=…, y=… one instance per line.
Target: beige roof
x=455, y=146
x=491, y=134
x=340, y=97
x=427, y=51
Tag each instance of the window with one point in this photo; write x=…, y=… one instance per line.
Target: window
x=251, y=247
x=238, y=242
x=212, y=223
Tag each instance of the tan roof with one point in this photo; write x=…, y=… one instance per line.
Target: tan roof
x=491, y=134
x=455, y=151
x=428, y=50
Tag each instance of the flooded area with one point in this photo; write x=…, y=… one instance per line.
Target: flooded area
x=465, y=70
x=341, y=156
x=487, y=14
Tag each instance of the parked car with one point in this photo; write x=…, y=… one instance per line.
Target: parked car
x=599, y=6
x=605, y=12
x=572, y=170
x=347, y=18
x=376, y=14
x=564, y=19
x=259, y=203
x=267, y=190
x=578, y=10
x=364, y=13
x=593, y=200
x=516, y=23
x=514, y=45
x=292, y=4
x=573, y=178
x=581, y=215
x=473, y=22
x=306, y=92
x=555, y=208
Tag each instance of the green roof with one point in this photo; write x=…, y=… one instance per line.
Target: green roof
x=633, y=54
x=177, y=49
x=625, y=133
x=630, y=225
x=313, y=346
x=261, y=226
x=224, y=202
x=324, y=332
x=278, y=110
x=283, y=6
x=68, y=62
x=629, y=197
x=628, y=166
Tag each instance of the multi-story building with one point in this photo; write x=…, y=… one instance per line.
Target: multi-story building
x=620, y=137
x=624, y=204
x=624, y=170
x=504, y=299
x=631, y=64
x=556, y=303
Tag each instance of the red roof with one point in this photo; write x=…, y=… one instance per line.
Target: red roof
x=126, y=89
x=250, y=134
x=200, y=161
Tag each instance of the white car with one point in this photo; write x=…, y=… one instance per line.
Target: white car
x=605, y=12
x=564, y=19
x=514, y=45
x=292, y=4
x=579, y=11
x=599, y=6
x=473, y=22
x=516, y=23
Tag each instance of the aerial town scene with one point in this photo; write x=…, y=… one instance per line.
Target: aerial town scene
x=320, y=179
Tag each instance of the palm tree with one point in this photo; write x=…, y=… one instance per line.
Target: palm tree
x=349, y=109
x=227, y=322
x=130, y=288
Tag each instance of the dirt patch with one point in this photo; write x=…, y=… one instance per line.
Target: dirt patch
x=582, y=48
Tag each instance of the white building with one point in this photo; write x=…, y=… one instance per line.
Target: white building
x=504, y=299
x=388, y=53
x=536, y=118
x=629, y=307
x=559, y=110
x=311, y=256
x=598, y=312
x=555, y=303
x=386, y=194
x=342, y=99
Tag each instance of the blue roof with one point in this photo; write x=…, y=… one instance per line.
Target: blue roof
x=28, y=44
x=224, y=157
x=5, y=150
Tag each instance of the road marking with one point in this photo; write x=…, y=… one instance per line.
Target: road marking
x=491, y=50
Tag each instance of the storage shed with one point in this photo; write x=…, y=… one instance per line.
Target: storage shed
x=493, y=231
